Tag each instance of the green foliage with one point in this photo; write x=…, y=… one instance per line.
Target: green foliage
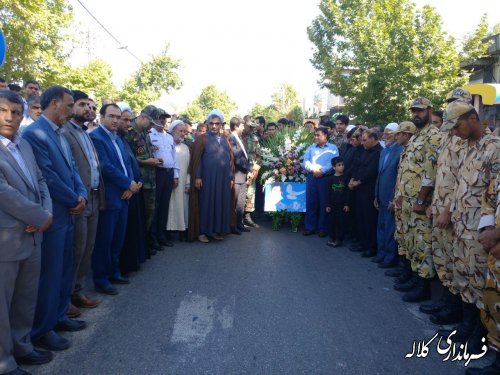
x=381, y=54
x=93, y=79
x=474, y=46
x=35, y=32
x=285, y=103
x=195, y=113
x=211, y=98
x=273, y=143
x=154, y=77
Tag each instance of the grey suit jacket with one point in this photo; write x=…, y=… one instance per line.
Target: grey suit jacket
x=21, y=204
x=82, y=162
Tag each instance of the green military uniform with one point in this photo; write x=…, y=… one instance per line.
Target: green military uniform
x=446, y=178
x=478, y=164
x=141, y=145
x=418, y=170
x=490, y=314
x=254, y=156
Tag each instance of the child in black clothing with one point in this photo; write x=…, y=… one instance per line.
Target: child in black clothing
x=338, y=203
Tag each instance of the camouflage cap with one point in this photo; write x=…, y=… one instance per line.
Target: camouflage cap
x=452, y=113
x=154, y=114
x=459, y=94
x=407, y=127
x=163, y=113
x=422, y=103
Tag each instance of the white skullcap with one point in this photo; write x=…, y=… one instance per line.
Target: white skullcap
x=392, y=127
x=349, y=128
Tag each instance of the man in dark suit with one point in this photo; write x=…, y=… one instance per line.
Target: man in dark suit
x=25, y=212
x=363, y=182
x=119, y=186
x=88, y=166
x=69, y=195
x=241, y=169
x=387, y=248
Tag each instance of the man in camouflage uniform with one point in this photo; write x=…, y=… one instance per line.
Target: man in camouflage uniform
x=252, y=144
x=414, y=193
x=139, y=141
x=339, y=139
x=489, y=229
x=448, y=309
x=478, y=165
x=403, y=136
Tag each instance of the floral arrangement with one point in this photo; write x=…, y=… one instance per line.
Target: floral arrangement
x=282, y=161
x=283, y=154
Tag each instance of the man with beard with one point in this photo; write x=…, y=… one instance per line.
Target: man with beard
x=69, y=196
x=211, y=171
x=340, y=137
x=363, y=182
x=413, y=195
x=478, y=166
x=88, y=166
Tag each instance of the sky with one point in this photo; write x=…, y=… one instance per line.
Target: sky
x=246, y=48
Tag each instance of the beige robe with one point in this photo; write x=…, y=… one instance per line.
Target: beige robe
x=179, y=200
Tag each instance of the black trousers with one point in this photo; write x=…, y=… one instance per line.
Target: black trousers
x=366, y=216
x=240, y=196
x=336, y=224
x=164, y=186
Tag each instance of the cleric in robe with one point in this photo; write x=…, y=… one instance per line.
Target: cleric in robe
x=212, y=172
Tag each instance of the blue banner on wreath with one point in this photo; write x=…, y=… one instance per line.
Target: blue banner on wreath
x=281, y=196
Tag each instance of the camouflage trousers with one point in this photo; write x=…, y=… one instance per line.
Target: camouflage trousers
x=442, y=255
x=149, y=205
x=417, y=240
x=469, y=267
x=490, y=314
x=250, y=201
x=399, y=233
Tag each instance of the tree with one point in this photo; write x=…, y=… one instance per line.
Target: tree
x=211, y=98
x=194, y=113
x=285, y=98
x=381, y=54
x=270, y=113
x=35, y=32
x=93, y=79
x=474, y=46
x=154, y=77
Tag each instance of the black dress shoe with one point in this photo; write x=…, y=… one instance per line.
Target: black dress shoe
x=387, y=265
x=421, y=291
x=36, y=357
x=119, y=280
x=70, y=325
x=368, y=254
x=166, y=243
x=395, y=272
x=108, y=289
x=432, y=308
x=406, y=286
x=236, y=231
x=377, y=259
x=243, y=228
x=18, y=371
x=52, y=341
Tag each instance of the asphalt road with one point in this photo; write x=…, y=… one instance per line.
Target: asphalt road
x=262, y=303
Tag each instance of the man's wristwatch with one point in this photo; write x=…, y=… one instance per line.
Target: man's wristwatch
x=420, y=202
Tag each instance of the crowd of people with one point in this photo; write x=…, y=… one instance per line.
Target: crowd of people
x=85, y=196
x=419, y=199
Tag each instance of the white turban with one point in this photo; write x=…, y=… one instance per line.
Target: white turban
x=174, y=124
x=392, y=127
x=215, y=113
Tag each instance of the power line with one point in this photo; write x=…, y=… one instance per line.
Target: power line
x=109, y=33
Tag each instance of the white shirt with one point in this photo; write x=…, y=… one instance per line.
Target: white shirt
x=13, y=147
x=164, y=148
x=113, y=136
x=241, y=144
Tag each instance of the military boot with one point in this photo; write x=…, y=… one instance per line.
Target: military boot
x=248, y=220
x=421, y=291
x=468, y=325
x=451, y=313
x=405, y=276
x=432, y=308
x=493, y=369
x=408, y=285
